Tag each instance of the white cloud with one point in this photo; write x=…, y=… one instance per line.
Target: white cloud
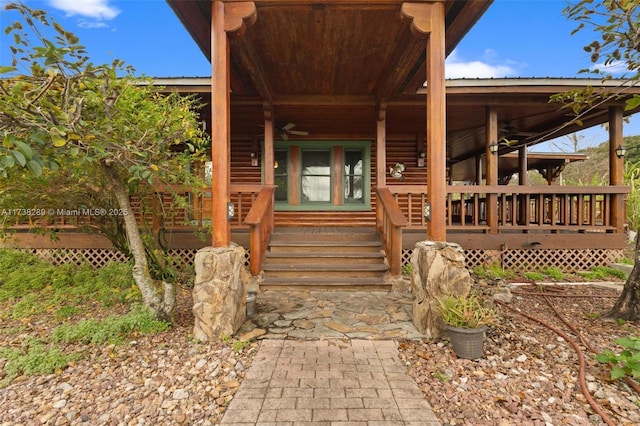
x=83, y=23
x=488, y=67
x=97, y=9
x=615, y=68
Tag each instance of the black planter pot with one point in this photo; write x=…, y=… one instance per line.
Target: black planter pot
x=466, y=342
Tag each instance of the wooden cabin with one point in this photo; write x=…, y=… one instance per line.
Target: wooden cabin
x=337, y=144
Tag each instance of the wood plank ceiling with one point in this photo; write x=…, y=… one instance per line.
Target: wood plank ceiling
x=324, y=66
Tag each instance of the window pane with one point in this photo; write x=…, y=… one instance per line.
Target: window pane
x=281, y=175
x=316, y=176
x=353, y=176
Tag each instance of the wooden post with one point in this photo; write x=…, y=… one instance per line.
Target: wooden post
x=428, y=19
x=478, y=169
x=615, y=140
x=616, y=166
x=220, y=126
x=381, y=159
x=491, y=168
x=268, y=162
x=523, y=180
x=224, y=19
x=436, y=126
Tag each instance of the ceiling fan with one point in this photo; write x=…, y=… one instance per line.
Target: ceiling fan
x=509, y=135
x=286, y=130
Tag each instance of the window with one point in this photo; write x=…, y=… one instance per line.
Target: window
x=316, y=176
x=281, y=174
x=353, y=176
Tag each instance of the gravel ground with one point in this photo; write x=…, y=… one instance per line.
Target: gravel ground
x=164, y=379
x=528, y=375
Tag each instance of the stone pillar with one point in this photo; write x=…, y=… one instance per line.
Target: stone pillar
x=437, y=270
x=219, y=298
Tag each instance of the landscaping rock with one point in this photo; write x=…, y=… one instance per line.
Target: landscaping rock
x=219, y=298
x=437, y=270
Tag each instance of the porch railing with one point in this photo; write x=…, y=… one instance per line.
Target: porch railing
x=260, y=221
x=389, y=222
x=507, y=207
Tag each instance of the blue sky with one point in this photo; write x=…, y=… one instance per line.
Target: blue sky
x=515, y=38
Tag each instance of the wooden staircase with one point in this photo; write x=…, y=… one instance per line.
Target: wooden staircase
x=325, y=259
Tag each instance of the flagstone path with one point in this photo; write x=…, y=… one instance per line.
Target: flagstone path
x=317, y=315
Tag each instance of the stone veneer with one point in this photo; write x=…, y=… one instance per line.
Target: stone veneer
x=437, y=270
x=219, y=297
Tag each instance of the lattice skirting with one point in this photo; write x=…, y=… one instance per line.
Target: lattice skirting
x=519, y=260
x=567, y=260
x=98, y=258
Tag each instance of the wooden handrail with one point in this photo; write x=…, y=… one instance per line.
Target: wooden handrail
x=515, y=189
x=260, y=221
x=546, y=189
x=390, y=229
x=491, y=208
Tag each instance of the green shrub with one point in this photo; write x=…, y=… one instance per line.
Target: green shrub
x=407, y=268
x=627, y=362
x=494, y=271
x=113, y=329
x=465, y=312
x=35, y=358
x=553, y=273
x=30, y=304
x=603, y=273
x=534, y=276
x=37, y=285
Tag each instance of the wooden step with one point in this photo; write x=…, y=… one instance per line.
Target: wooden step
x=325, y=258
x=311, y=270
x=355, y=284
x=324, y=246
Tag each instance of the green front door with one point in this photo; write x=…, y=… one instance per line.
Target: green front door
x=323, y=175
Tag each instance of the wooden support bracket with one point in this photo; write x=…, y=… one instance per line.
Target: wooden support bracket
x=238, y=16
x=420, y=16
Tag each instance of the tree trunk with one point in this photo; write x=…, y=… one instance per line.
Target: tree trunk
x=151, y=296
x=627, y=306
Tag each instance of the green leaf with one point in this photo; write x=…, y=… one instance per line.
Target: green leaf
x=25, y=149
x=629, y=342
x=6, y=69
x=19, y=157
x=34, y=167
x=605, y=356
x=617, y=372
x=632, y=103
x=58, y=141
x=7, y=161
x=53, y=166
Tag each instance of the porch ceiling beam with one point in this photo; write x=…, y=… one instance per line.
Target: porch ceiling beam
x=355, y=100
x=248, y=59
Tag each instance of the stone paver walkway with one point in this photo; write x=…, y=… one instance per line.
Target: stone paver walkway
x=328, y=382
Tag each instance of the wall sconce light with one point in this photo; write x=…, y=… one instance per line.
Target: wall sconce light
x=621, y=151
x=493, y=148
x=396, y=171
x=421, y=157
x=231, y=211
x=426, y=210
x=254, y=159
